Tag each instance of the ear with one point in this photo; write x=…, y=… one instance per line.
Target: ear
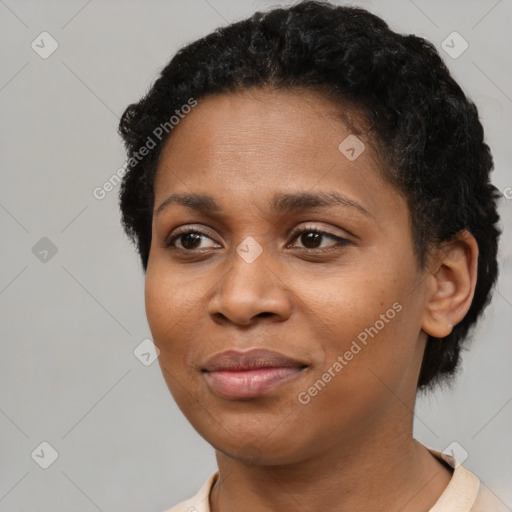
x=451, y=284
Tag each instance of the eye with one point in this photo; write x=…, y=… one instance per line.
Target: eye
x=311, y=237
x=189, y=240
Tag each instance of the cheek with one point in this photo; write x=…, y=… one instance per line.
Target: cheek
x=169, y=306
x=345, y=305
x=170, y=296
x=172, y=319
x=361, y=381
x=175, y=309
x=367, y=328
x=160, y=307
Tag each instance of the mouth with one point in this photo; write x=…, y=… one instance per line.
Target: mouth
x=250, y=374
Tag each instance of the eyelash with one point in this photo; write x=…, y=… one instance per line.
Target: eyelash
x=340, y=241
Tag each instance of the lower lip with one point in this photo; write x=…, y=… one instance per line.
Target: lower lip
x=249, y=383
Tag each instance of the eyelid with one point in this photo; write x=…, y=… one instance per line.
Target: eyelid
x=317, y=229
x=186, y=228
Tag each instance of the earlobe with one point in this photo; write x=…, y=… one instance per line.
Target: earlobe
x=452, y=285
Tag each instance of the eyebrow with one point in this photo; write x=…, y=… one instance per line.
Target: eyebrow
x=284, y=203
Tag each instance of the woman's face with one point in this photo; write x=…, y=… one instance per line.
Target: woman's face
x=343, y=309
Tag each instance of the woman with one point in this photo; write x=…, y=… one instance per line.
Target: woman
x=309, y=194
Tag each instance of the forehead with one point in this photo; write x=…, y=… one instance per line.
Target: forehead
x=262, y=139
x=256, y=115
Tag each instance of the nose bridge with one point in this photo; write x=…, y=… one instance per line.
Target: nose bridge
x=251, y=286
x=249, y=250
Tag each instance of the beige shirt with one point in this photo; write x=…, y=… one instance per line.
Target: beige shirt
x=464, y=493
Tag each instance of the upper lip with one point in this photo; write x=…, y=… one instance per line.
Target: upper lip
x=249, y=360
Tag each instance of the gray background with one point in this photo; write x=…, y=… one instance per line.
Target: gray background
x=71, y=322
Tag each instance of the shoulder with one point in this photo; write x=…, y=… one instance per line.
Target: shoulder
x=488, y=501
x=200, y=501
x=465, y=492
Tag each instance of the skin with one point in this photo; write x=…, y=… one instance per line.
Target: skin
x=351, y=447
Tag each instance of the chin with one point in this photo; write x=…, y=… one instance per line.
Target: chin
x=260, y=442
x=262, y=452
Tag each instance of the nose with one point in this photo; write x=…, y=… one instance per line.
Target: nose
x=251, y=290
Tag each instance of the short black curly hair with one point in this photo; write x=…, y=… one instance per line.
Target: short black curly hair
x=426, y=130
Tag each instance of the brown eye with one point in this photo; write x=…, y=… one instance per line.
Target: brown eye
x=312, y=239
x=190, y=240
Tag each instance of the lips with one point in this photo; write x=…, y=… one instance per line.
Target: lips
x=249, y=374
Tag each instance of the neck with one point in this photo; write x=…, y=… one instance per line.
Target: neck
x=382, y=470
